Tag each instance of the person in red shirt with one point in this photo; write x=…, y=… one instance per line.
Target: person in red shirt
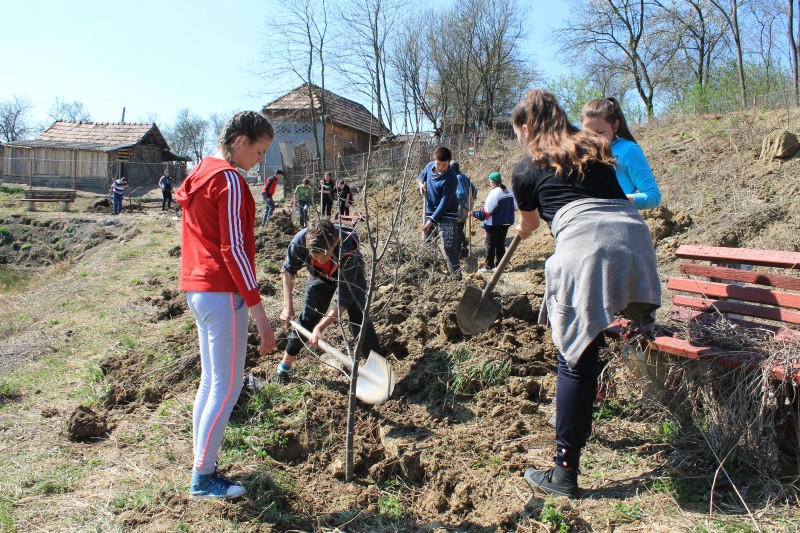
x=267, y=192
x=219, y=277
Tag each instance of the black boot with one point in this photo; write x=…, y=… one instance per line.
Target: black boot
x=558, y=480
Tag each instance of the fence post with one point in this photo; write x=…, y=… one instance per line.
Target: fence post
x=754, y=101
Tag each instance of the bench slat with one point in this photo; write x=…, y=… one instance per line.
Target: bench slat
x=780, y=281
x=747, y=256
x=685, y=349
x=726, y=290
x=686, y=314
x=727, y=306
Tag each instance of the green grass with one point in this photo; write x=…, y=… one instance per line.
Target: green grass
x=7, y=521
x=10, y=189
x=257, y=427
x=7, y=391
x=468, y=377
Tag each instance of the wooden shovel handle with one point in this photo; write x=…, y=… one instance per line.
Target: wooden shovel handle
x=502, y=266
x=342, y=358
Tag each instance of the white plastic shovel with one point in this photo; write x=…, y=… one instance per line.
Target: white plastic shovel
x=375, y=377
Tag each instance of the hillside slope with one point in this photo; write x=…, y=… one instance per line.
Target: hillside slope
x=99, y=371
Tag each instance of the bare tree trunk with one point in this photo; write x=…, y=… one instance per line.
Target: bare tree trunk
x=795, y=50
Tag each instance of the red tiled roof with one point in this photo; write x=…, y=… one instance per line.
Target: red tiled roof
x=340, y=110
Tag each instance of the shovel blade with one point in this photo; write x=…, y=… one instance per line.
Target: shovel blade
x=375, y=380
x=475, y=315
x=471, y=264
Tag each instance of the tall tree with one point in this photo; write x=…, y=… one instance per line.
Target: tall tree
x=297, y=51
x=698, y=32
x=70, y=111
x=416, y=68
x=730, y=12
x=620, y=35
x=188, y=135
x=795, y=47
x=14, y=120
x=365, y=63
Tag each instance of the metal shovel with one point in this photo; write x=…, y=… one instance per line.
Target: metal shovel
x=376, y=377
x=470, y=262
x=477, y=310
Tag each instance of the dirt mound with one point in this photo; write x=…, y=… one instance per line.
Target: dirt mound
x=85, y=424
x=34, y=242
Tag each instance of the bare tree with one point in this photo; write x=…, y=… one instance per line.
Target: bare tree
x=14, y=121
x=698, y=31
x=70, y=111
x=794, y=51
x=502, y=73
x=300, y=54
x=416, y=68
x=188, y=135
x=766, y=18
x=369, y=24
x=620, y=35
x=730, y=12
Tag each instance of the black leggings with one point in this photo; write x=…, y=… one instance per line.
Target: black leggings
x=576, y=389
x=327, y=205
x=495, y=244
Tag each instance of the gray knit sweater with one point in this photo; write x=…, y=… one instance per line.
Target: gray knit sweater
x=604, y=263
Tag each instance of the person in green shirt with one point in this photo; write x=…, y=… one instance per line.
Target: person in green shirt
x=303, y=194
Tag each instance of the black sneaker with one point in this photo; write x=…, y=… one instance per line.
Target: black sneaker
x=558, y=480
x=281, y=378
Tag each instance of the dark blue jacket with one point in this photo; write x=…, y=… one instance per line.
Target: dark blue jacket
x=441, y=201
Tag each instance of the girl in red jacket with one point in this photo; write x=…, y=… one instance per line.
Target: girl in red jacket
x=218, y=273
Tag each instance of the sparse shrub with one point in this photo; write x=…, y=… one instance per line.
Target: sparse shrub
x=552, y=516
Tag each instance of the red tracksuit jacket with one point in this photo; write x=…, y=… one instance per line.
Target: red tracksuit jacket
x=218, y=249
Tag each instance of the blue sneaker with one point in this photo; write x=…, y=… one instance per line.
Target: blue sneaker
x=213, y=486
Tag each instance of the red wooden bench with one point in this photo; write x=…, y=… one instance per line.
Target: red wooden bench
x=731, y=286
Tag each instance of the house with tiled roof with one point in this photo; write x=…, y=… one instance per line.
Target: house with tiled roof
x=343, y=127
x=89, y=155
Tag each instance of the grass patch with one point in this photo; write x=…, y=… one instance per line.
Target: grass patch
x=7, y=521
x=10, y=189
x=625, y=513
x=468, y=375
x=7, y=392
x=257, y=426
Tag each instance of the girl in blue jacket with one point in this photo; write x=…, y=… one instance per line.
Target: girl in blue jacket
x=604, y=117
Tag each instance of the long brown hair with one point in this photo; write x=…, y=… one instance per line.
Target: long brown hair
x=609, y=110
x=553, y=141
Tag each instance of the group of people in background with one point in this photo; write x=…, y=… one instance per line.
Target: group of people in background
x=586, y=184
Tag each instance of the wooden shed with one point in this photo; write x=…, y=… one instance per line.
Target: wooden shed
x=89, y=155
x=349, y=128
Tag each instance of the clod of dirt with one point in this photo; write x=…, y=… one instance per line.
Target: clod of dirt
x=84, y=424
x=290, y=450
x=519, y=307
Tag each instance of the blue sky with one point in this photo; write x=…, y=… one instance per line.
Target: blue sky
x=154, y=58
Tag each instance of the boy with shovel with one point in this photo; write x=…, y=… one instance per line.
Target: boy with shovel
x=438, y=185
x=334, y=261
